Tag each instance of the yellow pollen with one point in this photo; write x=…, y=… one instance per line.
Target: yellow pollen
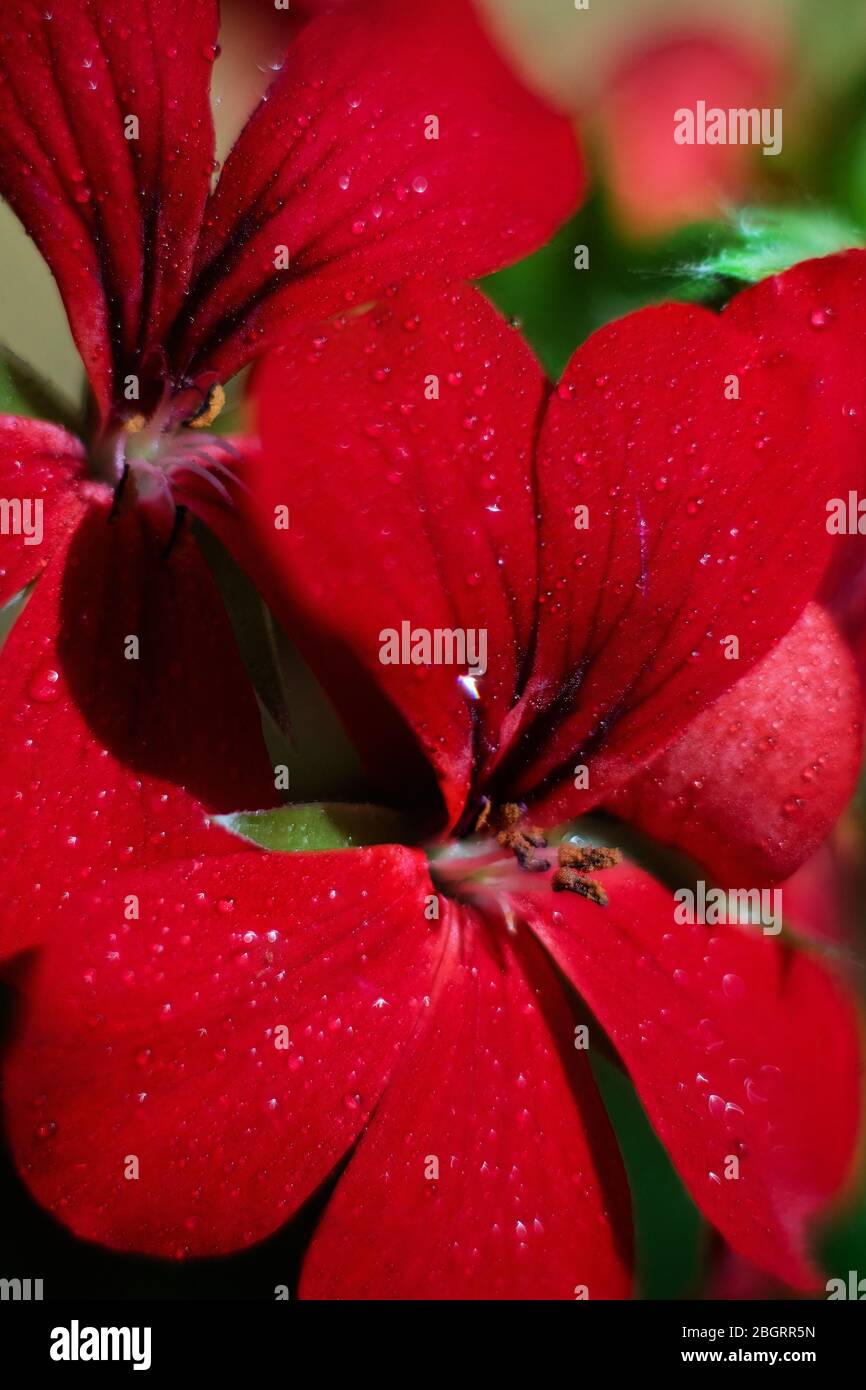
x=216, y=399
x=134, y=425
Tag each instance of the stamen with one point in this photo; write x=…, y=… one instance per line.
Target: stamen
x=575, y=861
x=201, y=471
x=211, y=407
x=521, y=839
x=523, y=852
x=571, y=881
x=588, y=857
x=134, y=425
x=473, y=870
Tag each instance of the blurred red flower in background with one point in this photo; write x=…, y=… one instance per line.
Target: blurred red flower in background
x=657, y=184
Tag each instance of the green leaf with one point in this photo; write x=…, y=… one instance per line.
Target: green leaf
x=766, y=241
x=24, y=392
x=234, y=418
x=10, y=612
x=558, y=306
x=843, y=1244
x=669, y=1232
x=320, y=825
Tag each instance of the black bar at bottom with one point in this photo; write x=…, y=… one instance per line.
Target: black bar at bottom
x=67, y=1338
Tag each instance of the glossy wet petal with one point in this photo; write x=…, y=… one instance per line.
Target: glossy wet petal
x=106, y=158
x=744, y=1052
x=395, y=142
x=127, y=717
x=760, y=778
x=225, y=1046
x=489, y=1170
x=40, y=467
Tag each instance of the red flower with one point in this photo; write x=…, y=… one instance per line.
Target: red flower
x=391, y=144
x=656, y=183
x=270, y=1015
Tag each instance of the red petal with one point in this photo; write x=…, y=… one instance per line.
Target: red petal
x=221, y=506
x=159, y=1038
x=404, y=509
x=530, y=1200
x=117, y=218
x=702, y=526
x=104, y=757
x=657, y=183
x=816, y=311
x=818, y=896
x=759, y=779
x=336, y=167
x=718, y=1027
x=39, y=464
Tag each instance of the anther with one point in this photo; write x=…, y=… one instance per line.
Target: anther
x=567, y=880
x=210, y=408
x=522, y=840
x=522, y=850
x=574, y=863
x=585, y=857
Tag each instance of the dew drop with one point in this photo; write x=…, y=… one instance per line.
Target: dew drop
x=44, y=686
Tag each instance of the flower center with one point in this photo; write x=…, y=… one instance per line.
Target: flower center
x=506, y=855
x=146, y=459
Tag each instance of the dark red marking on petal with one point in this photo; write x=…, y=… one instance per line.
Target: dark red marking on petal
x=335, y=171
x=114, y=207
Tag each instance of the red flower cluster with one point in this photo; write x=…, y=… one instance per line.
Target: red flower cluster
x=169, y=292
x=644, y=549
